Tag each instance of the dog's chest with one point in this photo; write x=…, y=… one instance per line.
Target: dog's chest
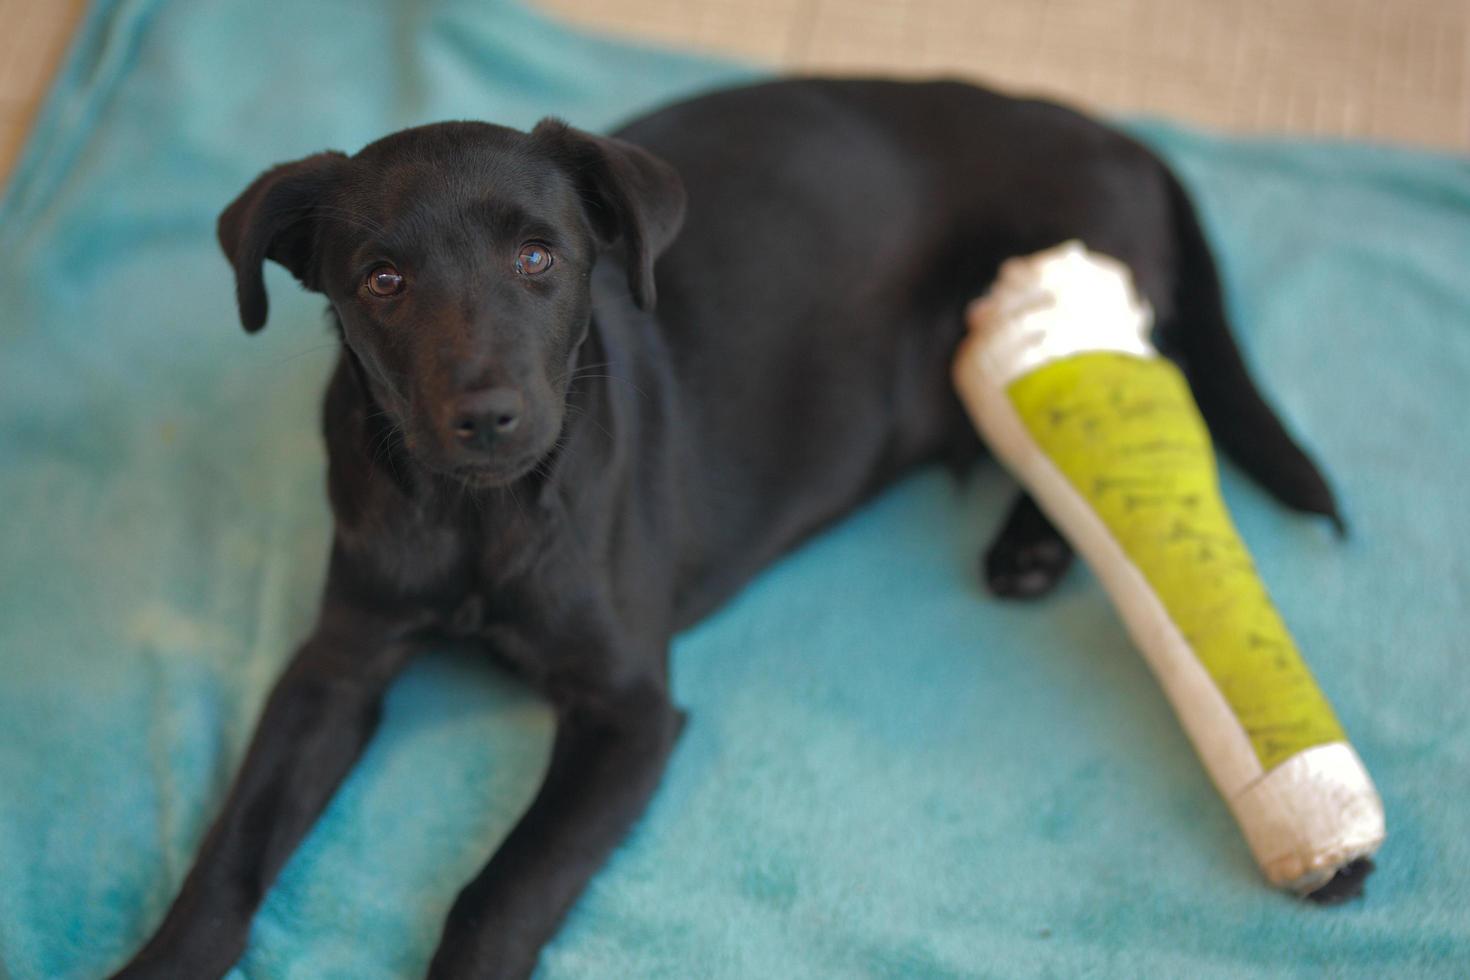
x=511, y=625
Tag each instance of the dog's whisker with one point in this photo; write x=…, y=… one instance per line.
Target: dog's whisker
x=332, y=345
x=583, y=413
x=612, y=377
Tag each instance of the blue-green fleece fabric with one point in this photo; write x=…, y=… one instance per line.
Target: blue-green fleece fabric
x=887, y=772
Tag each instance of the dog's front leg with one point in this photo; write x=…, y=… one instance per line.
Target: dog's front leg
x=316, y=722
x=608, y=755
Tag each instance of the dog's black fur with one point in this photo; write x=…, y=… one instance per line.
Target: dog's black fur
x=537, y=461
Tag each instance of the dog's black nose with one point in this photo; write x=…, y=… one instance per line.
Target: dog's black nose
x=485, y=416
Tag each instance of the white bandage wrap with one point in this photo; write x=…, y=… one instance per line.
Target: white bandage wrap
x=1309, y=815
x=1051, y=305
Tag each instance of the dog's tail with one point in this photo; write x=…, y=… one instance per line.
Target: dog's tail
x=1241, y=421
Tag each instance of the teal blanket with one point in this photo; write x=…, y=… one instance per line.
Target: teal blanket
x=887, y=773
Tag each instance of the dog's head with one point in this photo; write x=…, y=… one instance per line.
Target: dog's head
x=458, y=259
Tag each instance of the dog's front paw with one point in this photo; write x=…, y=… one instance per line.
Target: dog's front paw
x=141, y=969
x=202, y=957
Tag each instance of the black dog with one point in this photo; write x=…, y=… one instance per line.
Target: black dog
x=524, y=455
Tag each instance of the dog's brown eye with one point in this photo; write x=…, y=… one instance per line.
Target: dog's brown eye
x=534, y=259
x=385, y=281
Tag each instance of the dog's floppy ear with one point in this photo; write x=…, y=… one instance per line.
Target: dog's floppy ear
x=273, y=220
x=631, y=196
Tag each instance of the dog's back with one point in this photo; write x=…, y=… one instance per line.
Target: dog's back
x=810, y=306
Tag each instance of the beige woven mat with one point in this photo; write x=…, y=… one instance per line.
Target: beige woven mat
x=1395, y=70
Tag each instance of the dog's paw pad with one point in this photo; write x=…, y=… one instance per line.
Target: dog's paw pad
x=1346, y=885
x=1026, y=571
